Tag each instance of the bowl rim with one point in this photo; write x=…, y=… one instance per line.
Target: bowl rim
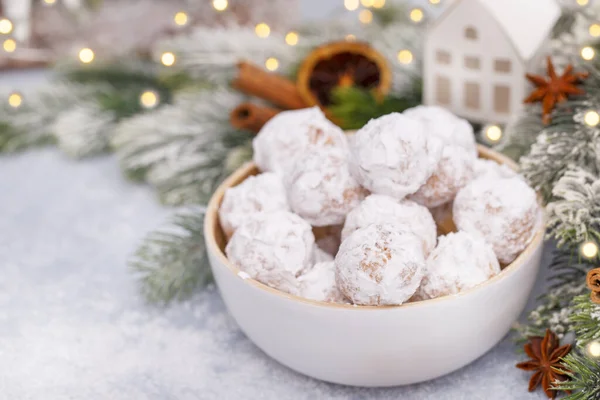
x=211, y=223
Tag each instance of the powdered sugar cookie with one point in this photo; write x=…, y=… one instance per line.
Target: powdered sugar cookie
x=380, y=265
x=261, y=193
x=410, y=216
x=273, y=248
x=319, y=284
x=504, y=211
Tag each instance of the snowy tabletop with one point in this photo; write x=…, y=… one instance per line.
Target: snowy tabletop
x=73, y=326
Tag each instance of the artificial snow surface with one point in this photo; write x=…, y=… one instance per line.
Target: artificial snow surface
x=72, y=325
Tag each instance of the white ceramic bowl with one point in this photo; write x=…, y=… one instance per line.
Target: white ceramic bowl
x=372, y=346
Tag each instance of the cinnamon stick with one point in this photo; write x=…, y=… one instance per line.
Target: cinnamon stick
x=274, y=88
x=593, y=282
x=251, y=117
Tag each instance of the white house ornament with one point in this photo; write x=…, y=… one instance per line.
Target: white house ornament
x=478, y=52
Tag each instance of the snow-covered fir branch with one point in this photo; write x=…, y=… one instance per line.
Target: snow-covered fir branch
x=185, y=149
x=586, y=320
x=171, y=262
x=574, y=215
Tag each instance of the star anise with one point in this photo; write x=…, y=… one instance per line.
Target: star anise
x=554, y=89
x=546, y=356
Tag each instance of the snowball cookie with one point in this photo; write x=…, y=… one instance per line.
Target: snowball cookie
x=289, y=134
x=320, y=187
x=454, y=172
x=491, y=169
x=393, y=156
x=381, y=264
x=321, y=255
x=273, y=248
x=319, y=284
x=461, y=261
x=444, y=125
x=504, y=211
x=411, y=217
x=261, y=193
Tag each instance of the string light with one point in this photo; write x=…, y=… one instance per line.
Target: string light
x=589, y=250
x=351, y=5
x=417, y=15
x=593, y=349
x=15, y=100
x=86, y=55
x=405, y=57
x=367, y=3
x=220, y=5
x=588, y=53
x=493, y=133
x=181, y=18
x=591, y=118
x=434, y=2
x=350, y=38
x=291, y=38
x=272, y=64
x=379, y=4
x=583, y=3
x=6, y=26
x=9, y=45
x=167, y=59
x=595, y=30
x=262, y=30
x=365, y=16
x=49, y=2
x=149, y=99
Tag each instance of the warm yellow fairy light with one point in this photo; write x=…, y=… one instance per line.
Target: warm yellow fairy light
x=220, y=5
x=9, y=45
x=365, y=16
x=588, y=53
x=405, y=57
x=6, y=26
x=167, y=59
x=350, y=38
x=589, y=249
x=86, y=55
x=417, y=15
x=149, y=99
x=595, y=30
x=434, y=2
x=50, y=2
x=262, y=30
x=181, y=18
x=593, y=349
x=15, y=100
x=351, y=5
x=591, y=118
x=272, y=64
x=583, y=3
x=367, y=3
x=292, y=38
x=493, y=133
x=378, y=3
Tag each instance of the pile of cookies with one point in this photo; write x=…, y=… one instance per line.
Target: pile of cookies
x=351, y=219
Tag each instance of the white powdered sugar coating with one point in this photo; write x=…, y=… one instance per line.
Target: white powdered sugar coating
x=273, y=248
x=320, y=187
x=380, y=265
x=454, y=172
x=444, y=125
x=408, y=215
x=504, y=211
x=319, y=284
x=461, y=261
x=491, y=169
x=392, y=155
x=261, y=193
x=289, y=134
x=321, y=255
